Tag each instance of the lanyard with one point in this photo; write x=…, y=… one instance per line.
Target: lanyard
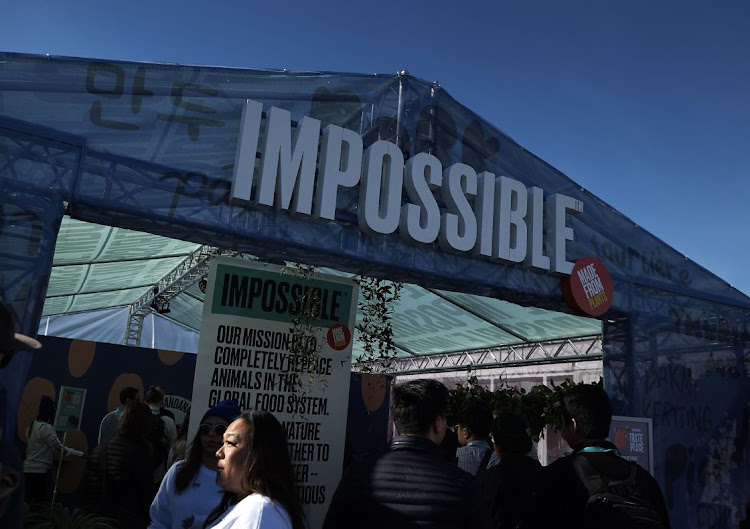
x=598, y=449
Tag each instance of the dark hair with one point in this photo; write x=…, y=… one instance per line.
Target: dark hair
x=135, y=423
x=510, y=433
x=154, y=395
x=46, y=409
x=192, y=463
x=589, y=405
x=477, y=418
x=416, y=405
x=128, y=393
x=267, y=468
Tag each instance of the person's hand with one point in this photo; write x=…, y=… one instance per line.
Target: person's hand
x=187, y=523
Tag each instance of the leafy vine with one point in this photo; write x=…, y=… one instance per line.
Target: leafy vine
x=541, y=405
x=377, y=298
x=375, y=307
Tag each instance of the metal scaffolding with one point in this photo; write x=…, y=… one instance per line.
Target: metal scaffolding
x=533, y=353
x=185, y=274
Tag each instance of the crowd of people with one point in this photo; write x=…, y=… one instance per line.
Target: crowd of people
x=416, y=484
x=236, y=471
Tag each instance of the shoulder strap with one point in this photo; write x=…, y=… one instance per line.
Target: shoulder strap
x=591, y=478
x=484, y=461
x=595, y=482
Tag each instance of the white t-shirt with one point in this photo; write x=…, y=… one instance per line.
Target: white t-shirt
x=170, y=509
x=255, y=512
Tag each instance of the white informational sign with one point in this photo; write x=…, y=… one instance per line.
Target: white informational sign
x=245, y=353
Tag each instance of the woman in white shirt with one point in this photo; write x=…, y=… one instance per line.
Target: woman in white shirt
x=42, y=445
x=255, y=471
x=189, y=491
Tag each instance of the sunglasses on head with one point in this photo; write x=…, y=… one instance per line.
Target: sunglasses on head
x=219, y=429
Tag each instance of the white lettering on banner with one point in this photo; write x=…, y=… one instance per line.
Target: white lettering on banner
x=637, y=443
x=489, y=217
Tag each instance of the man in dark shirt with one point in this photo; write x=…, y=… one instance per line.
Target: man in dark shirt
x=411, y=485
x=561, y=495
x=507, y=487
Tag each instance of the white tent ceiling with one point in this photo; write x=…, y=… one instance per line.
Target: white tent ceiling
x=100, y=267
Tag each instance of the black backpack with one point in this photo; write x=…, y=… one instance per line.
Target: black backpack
x=157, y=437
x=615, y=504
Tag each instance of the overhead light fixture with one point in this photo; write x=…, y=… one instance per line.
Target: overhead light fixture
x=160, y=307
x=203, y=284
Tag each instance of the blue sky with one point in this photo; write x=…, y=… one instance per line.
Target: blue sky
x=646, y=103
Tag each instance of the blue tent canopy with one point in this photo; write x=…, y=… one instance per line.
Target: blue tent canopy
x=153, y=148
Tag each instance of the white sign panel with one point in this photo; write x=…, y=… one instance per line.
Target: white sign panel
x=245, y=353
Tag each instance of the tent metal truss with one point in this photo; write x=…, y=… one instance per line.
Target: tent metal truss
x=565, y=350
x=185, y=274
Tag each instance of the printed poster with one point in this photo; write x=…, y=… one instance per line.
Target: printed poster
x=245, y=353
x=633, y=438
x=70, y=409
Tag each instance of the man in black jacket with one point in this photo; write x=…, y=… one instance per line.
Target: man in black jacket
x=561, y=496
x=507, y=487
x=411, y=485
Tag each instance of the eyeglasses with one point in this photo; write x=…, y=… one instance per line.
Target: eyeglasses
x=206, y=428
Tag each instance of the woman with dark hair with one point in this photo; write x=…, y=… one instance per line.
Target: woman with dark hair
x=42, y=445
x=189, y=491
x=255, y=471
x=120, y=473
x=178, y=450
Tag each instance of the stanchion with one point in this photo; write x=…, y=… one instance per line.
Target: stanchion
x=59, y=466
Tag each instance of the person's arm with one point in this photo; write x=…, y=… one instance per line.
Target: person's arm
x=477, y=511
x=47, y=433
x=161, y=507
x=170, y=429
x=104, y=429
x=143, y=477
x=490, y=483
x=93, y=481
x=101, y=427
x=339, y=515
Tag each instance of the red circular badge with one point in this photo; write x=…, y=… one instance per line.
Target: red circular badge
x=588, y=290
x=339, y=337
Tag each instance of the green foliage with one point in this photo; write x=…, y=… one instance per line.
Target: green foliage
x=48, y=516
x=304, y=340
x=375, y=307
x=375, y=310
x=540, y=405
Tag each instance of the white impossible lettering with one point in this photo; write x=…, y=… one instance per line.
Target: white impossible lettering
x=484, y=215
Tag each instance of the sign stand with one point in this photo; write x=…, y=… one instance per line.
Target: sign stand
x=59, y=466
x=67, y=418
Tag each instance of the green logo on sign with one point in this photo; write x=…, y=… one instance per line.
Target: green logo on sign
x=270, y=296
